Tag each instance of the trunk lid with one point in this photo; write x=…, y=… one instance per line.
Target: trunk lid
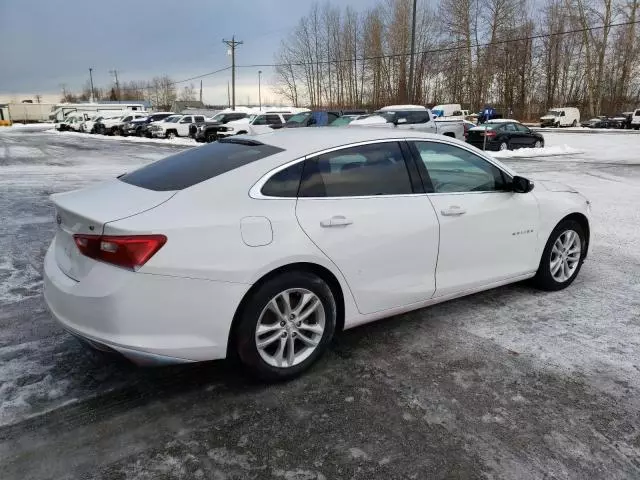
x=87, y=211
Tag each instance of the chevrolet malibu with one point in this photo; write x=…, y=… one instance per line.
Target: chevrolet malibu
x=262, y=248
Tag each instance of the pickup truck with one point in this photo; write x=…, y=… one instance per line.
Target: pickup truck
x=254, y=124
x=412, y=117
x=207, y=131
x=174, y=126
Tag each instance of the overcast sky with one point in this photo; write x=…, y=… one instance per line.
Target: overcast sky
x=47, y=43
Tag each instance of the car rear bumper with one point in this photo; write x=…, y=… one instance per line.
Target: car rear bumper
x=149, y=319
x=490, y=145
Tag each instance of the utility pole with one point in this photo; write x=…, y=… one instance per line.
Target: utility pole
x=200, y=91
x=115, y=74
x=232, y=44
x=413, y=49
x=228, y=96
x=259, y=94
x=93, y=94
x=38, y=98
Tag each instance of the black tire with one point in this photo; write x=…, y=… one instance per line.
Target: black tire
x=575, y=123
x=244, y=347
x=171, y=134
x=544, y=279
x=506, y=145
x=211, y=137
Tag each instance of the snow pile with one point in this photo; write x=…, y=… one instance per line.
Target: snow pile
x=27, y=127
x=171, y=141
x=537, y=152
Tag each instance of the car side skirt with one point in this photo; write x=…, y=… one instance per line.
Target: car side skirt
x=363, y=319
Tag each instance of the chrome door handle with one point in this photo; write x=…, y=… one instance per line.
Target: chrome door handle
x=453, y=211
x=336, y=221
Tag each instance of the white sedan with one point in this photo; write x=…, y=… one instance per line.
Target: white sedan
x=262, y=248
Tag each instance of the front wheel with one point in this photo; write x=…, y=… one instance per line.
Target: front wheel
x=562, y=257
x=286, y=326
x=211, y=137
x=171, y=135
x=538, y=144
x=575, y=123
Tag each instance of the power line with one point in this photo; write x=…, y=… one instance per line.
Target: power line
x=440, y=49
x=151, y=87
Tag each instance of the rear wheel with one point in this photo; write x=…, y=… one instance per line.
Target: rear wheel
x=211, y=137
x=562, y=256
x=575, y=123
x=504, y=146
x=538, y=144
x=286, y=326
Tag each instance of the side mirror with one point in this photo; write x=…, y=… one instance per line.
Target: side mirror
x=521, y=184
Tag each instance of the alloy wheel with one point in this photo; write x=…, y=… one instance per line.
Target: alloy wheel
x=538, y=144
x=290, y=327
x=504, y=146
x=565, y=256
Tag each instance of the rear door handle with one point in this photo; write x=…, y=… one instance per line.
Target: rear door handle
x=453, y=211
x=336, y=221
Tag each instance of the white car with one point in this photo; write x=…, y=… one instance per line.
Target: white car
x=175, y=126
x=635, y=120
x=264, y=247
x=254, y=124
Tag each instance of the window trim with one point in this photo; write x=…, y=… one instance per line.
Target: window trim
x=255, y=191
x=424, y=173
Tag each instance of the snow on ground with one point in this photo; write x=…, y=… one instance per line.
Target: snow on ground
x=510, y=383
x=554, y=151
x=182, y=141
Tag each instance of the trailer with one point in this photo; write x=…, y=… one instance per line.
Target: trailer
x=60, y=110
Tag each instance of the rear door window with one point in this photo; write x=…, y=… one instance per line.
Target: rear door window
x=285, y=183
x=273, y=120
x=196, y=165
x=365, y=170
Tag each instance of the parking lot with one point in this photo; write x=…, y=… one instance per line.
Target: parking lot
x=509, y=383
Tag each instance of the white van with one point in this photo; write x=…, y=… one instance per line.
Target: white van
x=447, y=110
x=561, y=117
x=635, y=120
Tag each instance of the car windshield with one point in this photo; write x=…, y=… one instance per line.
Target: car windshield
x=173, y=119
x=299, y=118
x=388, y=116
x=341, y=121
x=218, y=118
x=553, y=113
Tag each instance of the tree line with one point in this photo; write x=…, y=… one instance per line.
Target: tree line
x=161, y=91
x=523, y=56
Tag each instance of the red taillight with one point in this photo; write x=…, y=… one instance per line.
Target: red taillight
x=125, y=251
x=490, y=133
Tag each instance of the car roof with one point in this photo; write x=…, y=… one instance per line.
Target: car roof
x=306, y=141
x=393, y=108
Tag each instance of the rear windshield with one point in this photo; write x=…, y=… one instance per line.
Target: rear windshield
x=196, y=165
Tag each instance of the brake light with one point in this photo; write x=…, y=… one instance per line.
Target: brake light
x=131, y=251
x=490, y=133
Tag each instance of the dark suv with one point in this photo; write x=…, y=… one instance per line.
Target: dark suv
x=207, y=131
x=138, y=126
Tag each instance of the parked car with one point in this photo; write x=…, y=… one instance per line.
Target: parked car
x=597, y=122
x=136, y=125
x=71, y=122
x=315, y=118
x=411, y=117
x=347, y=119
x=447, y=110
x=207, y=131
x=503, y=135
x=175, y=126
x=107, y=124
x=635, y=120
x=254, y=124
x=96, y=125
x=618, y=121
x=561, y=117
x=628, y=116
x=191, y=259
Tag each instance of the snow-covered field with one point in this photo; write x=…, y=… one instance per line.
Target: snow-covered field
x=511, y=383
